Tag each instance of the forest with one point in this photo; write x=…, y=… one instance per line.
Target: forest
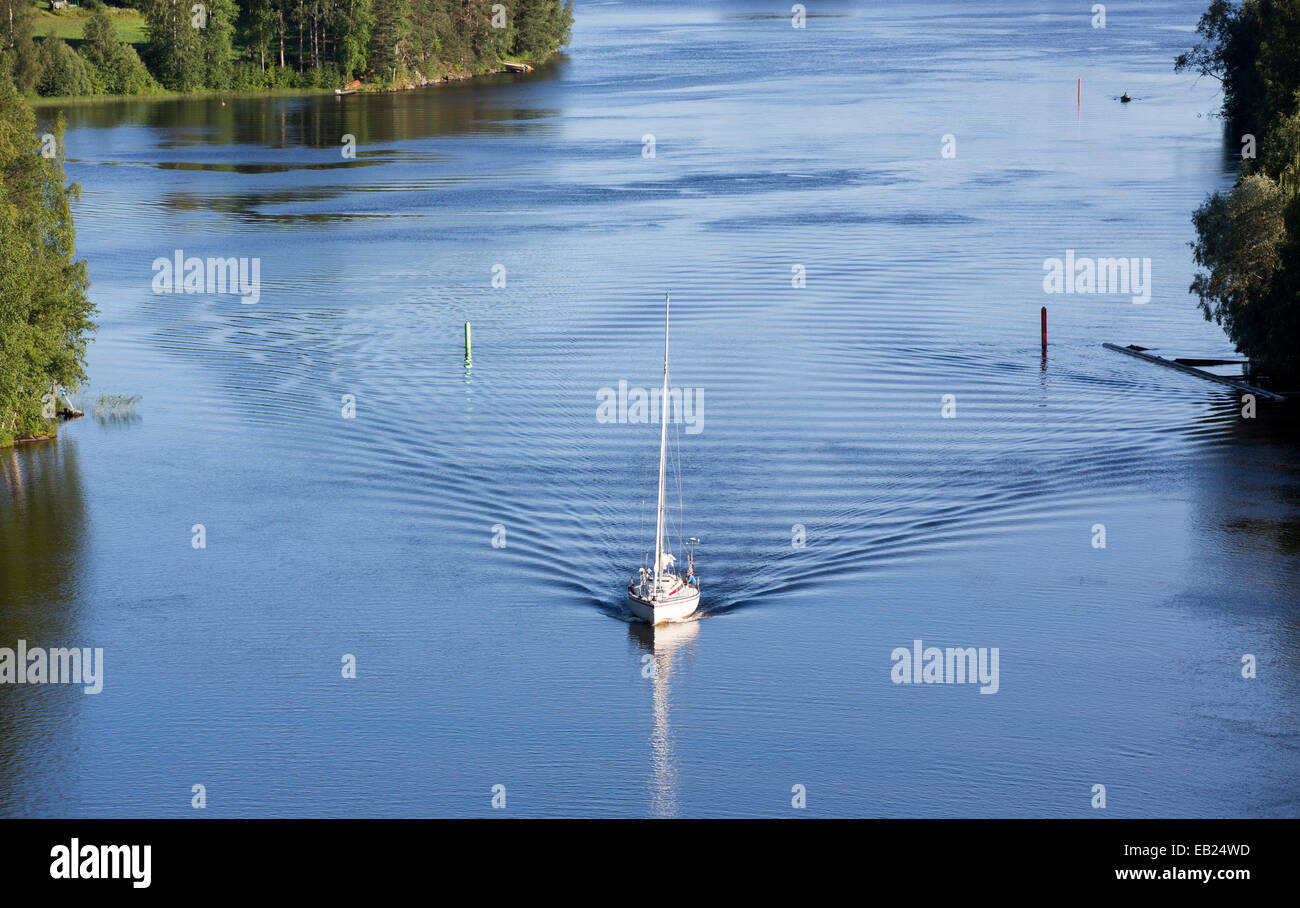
x=155, y=46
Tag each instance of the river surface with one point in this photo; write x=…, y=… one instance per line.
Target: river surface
x=822, y=406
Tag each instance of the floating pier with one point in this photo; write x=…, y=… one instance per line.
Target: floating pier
x=1190, y=366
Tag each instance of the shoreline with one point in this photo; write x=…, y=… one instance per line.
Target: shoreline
x=67, y=414
x=30, y=440
x=501, y=69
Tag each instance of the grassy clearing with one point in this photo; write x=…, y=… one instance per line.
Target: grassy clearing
x=68, y=23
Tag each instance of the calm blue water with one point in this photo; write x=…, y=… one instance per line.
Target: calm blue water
x=480, y=666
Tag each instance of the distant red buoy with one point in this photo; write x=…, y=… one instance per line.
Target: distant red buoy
x=1043, y=315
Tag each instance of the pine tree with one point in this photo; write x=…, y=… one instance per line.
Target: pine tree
x=541, y=27
x=392, y=26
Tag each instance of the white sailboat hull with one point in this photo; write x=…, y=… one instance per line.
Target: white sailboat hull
x=660, y=608
x=661, y=595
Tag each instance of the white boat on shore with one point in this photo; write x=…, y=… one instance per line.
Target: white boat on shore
x=659, y=594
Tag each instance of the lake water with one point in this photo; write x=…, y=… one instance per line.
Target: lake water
x=479, y=666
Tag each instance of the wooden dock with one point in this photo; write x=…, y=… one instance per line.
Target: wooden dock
x=1191, y=366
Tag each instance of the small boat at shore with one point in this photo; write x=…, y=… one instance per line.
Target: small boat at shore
x=660, y=593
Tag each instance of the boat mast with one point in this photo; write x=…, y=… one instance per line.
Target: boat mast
x=663, y=451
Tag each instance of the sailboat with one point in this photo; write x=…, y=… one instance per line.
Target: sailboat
x=660, y=594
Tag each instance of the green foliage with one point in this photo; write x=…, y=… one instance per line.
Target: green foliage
x=353, y=23
x=1279, y=149
x=254, y=44
x=98, y=38
x=428, y=24
x=126, y=74
x=17, y=50
x=1251, y=48
x=217, y=44
x=1248, y=239
x=1241, y=234
x=120, y=69
x=189, y=49
x=63, y=71
x=1230, y=42
x=44, y=308
x=541, y=26
x=171, y=44
x=392, y=29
